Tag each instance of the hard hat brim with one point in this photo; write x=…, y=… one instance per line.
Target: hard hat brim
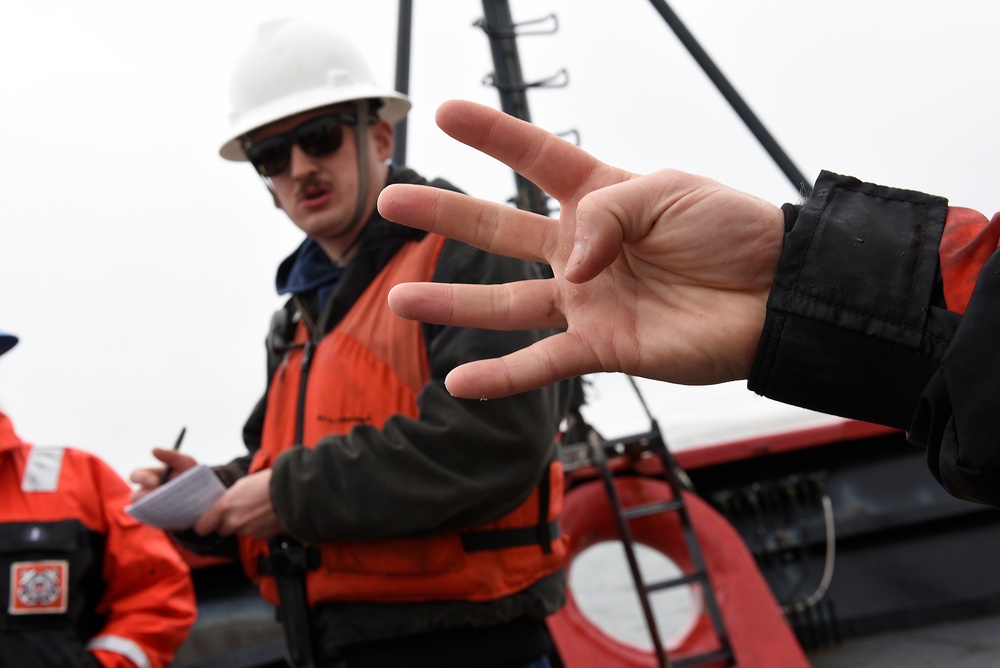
x=394, y=108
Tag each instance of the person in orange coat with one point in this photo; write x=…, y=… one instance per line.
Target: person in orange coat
x=82, y=583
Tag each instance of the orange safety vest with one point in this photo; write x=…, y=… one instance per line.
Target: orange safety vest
x=372, y=366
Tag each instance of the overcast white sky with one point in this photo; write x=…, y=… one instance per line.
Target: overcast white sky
x=137, y=265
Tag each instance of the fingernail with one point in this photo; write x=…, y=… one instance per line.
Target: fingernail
x=576, y=256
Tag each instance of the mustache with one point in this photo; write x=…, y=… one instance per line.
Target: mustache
x=311, y=182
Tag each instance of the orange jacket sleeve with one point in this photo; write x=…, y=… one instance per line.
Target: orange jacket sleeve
x=149, y=599
x=969, y=240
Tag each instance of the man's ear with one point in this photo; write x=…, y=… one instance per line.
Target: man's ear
x=384, y=137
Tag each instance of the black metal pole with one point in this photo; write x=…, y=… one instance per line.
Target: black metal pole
x=735, y=100
x=403, y=35
x=509, y=80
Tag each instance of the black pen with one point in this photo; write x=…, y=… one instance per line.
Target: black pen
x=177, y=446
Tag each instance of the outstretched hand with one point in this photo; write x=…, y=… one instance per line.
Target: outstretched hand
x=664, y=276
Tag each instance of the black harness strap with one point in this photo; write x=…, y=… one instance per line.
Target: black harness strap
x=288, y=563
x=498, y=539
x=542, y=533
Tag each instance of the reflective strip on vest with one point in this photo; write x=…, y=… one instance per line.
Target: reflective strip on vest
x=119, y=645
x=41, y=474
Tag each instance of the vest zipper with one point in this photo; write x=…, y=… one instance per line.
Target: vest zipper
x=307, y=355
x=300, y=407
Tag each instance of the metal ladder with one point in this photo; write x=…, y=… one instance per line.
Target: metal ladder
x=595, y=452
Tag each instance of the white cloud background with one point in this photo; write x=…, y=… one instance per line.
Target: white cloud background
x=137, y=266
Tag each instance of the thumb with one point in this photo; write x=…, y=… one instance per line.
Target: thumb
x=625, y=212
x=609, y=217
x=178, y=461
x=597, y=239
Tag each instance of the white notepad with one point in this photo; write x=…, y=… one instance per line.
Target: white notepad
x=179, y=503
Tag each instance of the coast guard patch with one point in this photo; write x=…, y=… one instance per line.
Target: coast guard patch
x=38, y=587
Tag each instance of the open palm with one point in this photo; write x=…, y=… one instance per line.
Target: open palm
x=664, y=275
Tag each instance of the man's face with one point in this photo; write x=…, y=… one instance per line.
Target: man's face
x=320, y=194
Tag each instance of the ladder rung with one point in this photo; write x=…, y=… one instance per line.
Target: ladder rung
x=702, y=659
x=651, y=509
x=697, y=576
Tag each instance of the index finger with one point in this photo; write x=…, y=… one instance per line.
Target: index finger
x=560, y=168
x=494, y=228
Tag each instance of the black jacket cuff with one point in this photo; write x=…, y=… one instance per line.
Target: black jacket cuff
x=851, y=327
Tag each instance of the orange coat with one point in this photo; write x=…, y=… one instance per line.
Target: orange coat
x=372, y=366
x=80, y=577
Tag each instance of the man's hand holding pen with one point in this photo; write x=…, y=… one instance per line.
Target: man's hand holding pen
x=175, y=462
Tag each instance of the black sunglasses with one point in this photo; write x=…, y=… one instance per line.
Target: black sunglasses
x=317, y=137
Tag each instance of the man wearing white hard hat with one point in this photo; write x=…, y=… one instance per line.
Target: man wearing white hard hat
x=391, y=523
x=82, y=584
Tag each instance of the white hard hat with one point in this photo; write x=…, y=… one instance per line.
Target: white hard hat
x=294, y=66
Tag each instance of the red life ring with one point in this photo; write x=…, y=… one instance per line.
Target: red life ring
x=758, y=634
